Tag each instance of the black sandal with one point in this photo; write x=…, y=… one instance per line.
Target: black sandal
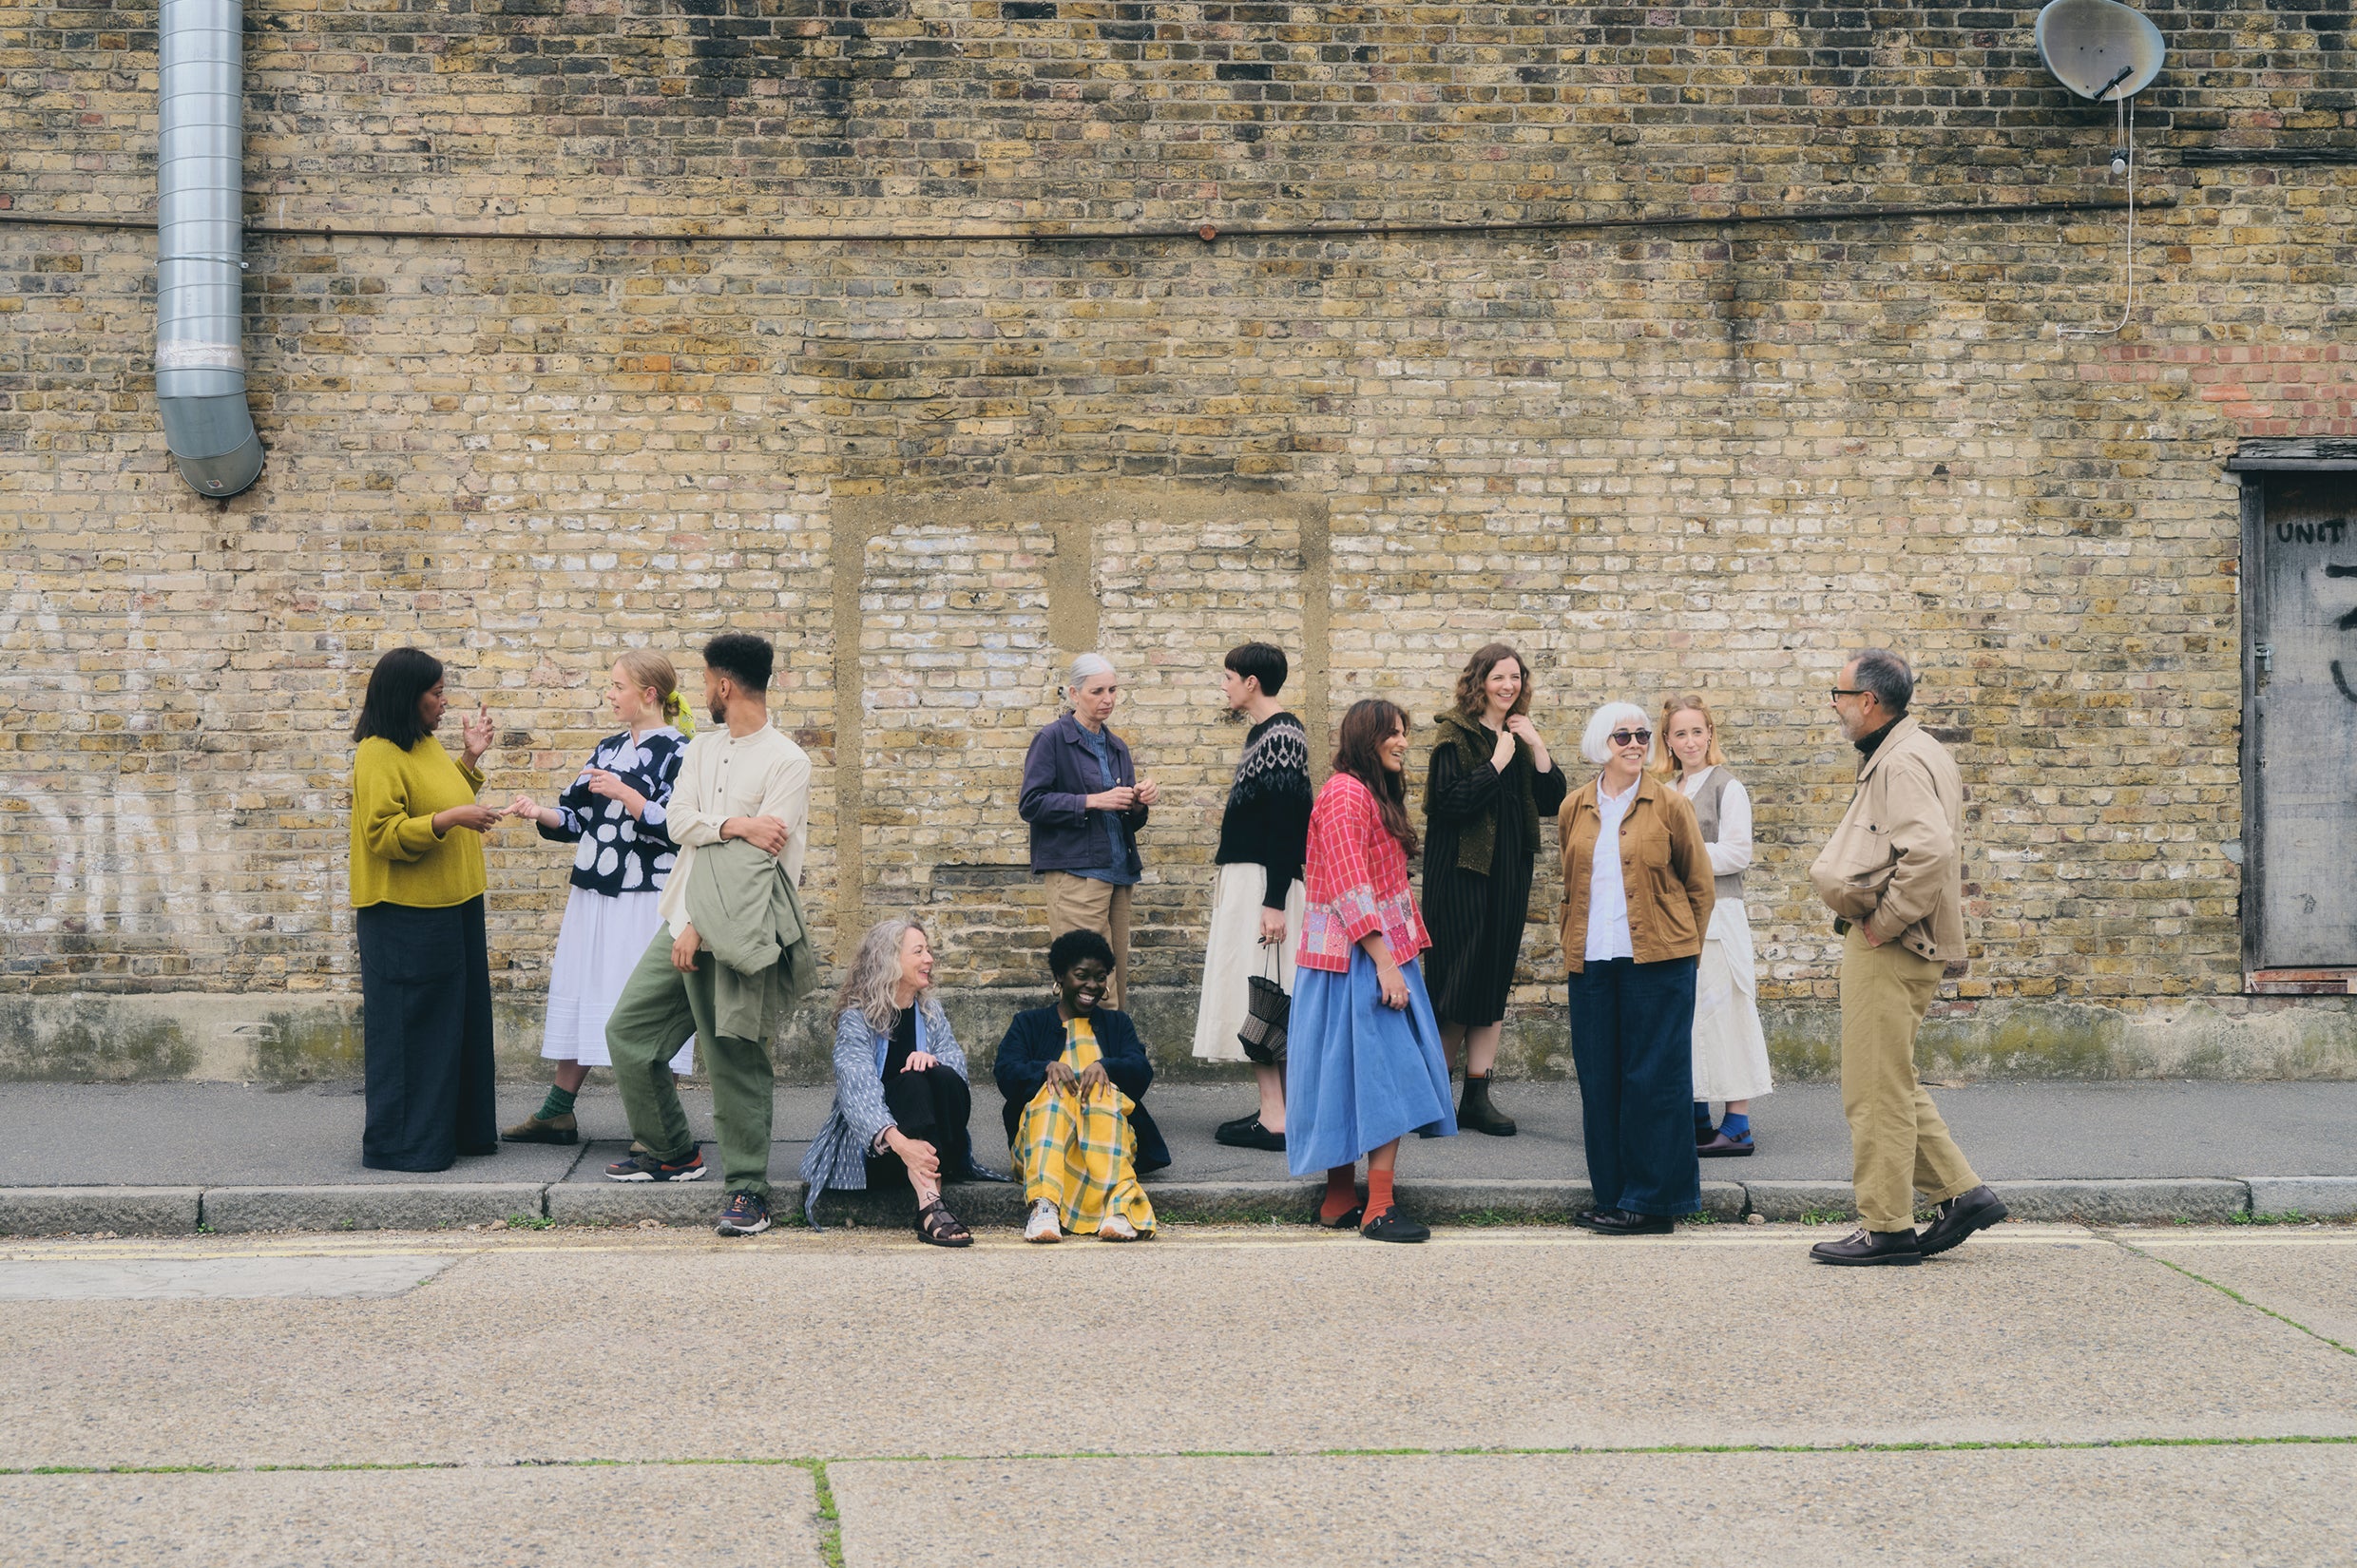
x=937, y=1227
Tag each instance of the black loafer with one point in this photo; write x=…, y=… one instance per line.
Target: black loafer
x=1868, y=1248
x=1392, y=1225
x=1959, y=1218
x=1347, y=1220
x=1620, y=1222
x=1249, y=1134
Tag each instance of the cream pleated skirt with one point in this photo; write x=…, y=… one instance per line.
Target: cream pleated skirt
x=1235, y=955
x=1729, y=1049
x=601, y=941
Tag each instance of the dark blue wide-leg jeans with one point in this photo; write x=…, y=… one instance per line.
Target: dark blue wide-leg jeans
x=1632, y=1040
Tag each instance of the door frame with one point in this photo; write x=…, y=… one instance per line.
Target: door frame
x=2253, y=461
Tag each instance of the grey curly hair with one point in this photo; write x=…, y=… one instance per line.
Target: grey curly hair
x=875, y=969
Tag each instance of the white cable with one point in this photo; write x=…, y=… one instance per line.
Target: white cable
x=2127, y=126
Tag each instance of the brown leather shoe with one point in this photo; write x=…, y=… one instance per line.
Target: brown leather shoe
x=532, y=1129
x=1959, y=1218
x=1867, y=1249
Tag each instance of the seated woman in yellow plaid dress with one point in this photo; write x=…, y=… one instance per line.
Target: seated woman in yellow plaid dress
x=1073, y=1074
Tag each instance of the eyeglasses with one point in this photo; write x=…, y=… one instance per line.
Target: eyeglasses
x=1632, y=737
x=1850, y=691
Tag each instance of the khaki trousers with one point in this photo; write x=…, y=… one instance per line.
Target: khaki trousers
x=1084, y=904
x=1898, y=1144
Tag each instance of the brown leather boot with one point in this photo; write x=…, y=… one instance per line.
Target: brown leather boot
x=532, y=1129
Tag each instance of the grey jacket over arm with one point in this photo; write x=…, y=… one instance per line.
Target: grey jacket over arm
x=837, y=1157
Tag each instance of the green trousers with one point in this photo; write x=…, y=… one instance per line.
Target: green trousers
x=661, y=1007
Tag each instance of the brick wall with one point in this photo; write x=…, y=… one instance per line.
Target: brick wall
x=1705, y=455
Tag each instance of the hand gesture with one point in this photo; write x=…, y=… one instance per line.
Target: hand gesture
x=920, y=1062
x=524, y=804
x=1090, y=1077
x=1060, y=1075
x=1148, y=791
x=1395, y=986
x=611, y=787
x=1272, y=927
x=1521, y=728
x=1120, y=799
x=766, y=833
x=683, y=947
x=473, y=818
x=475, y=733
x=921, y=1159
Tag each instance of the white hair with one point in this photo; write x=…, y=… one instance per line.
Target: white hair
x=1596, y=741
x=1084, y=669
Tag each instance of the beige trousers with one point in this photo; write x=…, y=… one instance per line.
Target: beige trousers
x=1084, y=904
x=1898, y=1144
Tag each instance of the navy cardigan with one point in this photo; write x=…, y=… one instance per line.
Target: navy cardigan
x=1058, y=776
x=1036, y=1038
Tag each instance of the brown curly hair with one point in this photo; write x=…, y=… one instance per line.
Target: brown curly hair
x=1472, y=686
x=1358, y=752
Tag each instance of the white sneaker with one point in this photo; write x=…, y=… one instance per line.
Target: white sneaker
x=1043, y=1225
x=1116, y=1228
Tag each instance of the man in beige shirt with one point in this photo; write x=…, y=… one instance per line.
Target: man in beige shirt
x=1893, y=876
x=741, y=779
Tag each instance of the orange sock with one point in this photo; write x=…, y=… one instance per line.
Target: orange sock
x=1378, y=1190
x=1341, y=1193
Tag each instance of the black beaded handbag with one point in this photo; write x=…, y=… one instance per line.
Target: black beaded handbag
x=1267, y=1010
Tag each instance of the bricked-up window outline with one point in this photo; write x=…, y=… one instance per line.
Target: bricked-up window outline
x=2300, y=714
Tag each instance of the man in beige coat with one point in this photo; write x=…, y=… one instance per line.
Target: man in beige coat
x=1893, y=876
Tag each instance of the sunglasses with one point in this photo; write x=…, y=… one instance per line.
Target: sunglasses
x=1632, y=737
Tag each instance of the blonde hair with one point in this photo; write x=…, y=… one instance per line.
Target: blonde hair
x=1669, y=766
x=875, y=969
x=648, y=670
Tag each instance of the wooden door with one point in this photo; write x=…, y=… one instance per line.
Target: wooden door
x=2301, y=766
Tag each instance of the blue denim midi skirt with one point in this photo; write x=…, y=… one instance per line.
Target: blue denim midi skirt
x=1357, y=1074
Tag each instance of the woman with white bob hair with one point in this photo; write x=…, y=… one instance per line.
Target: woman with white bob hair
x=901, y=1097
x=1637, y=899
x=1086, y=805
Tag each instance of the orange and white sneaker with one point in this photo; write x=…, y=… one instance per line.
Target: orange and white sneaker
x=1044, y=1224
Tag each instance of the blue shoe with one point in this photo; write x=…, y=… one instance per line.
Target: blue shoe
x=1722, y=1147
x=746, y=1215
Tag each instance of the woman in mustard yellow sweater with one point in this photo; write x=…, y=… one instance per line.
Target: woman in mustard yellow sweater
x=417, y=883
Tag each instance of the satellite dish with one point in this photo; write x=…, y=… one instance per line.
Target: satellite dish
x=2099, y=48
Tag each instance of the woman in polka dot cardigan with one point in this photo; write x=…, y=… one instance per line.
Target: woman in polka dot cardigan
x=613, y=812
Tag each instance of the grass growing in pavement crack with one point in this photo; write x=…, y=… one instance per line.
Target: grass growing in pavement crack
x=830, y=1516
x=2235, y=1296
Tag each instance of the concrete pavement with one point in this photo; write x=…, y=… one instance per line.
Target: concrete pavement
x=166, y=1157
x=1218, y=1395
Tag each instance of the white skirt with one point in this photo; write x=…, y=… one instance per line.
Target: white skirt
x=1235, y=955
x=1729, y=1050
x=601, y=941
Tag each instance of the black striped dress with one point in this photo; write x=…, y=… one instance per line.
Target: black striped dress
x=1477, y=921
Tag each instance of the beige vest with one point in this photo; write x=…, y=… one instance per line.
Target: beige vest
x=1729, y=888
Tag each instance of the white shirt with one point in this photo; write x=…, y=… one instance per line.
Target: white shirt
x=724, y=776
x=1608, y=890
x=1733, y=851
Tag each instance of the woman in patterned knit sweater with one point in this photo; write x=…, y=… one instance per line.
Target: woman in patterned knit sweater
x=1256, y=903
x=614, y=810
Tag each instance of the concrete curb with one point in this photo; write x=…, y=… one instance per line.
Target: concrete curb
x=424, y=1206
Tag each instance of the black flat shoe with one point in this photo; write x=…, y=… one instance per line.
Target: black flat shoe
x=1959, y=1218
x=1620, y=1222
x=1347, y=1220
x=1723, y=1147
x=1590, y=1220
x=1392, y=1225
x=1870, y=1248
x=1249, y=1134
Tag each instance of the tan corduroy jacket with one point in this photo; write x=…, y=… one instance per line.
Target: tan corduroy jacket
x=1664, y=866
x=1896, y=864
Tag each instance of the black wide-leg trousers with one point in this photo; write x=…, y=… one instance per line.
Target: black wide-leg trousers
x=426, y=1023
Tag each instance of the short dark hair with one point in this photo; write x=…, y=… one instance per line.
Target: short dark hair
x=1074, y=945
x=742, y=656
x=389, y=712
x=1886, y=674
x=1261, y=662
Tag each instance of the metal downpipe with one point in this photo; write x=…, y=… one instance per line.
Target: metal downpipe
x=200, y=244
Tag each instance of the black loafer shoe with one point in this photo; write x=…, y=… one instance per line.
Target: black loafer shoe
x=1867, y=1249
x=1620, y=1222
x=1959, y=1218
x=1249, y=1134
x=1392, y=1225
x=1347, y=1220
x=1594, y=1218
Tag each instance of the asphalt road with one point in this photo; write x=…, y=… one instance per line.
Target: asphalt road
x=1248, y=1395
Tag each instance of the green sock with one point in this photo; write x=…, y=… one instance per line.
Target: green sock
x=560, y=1103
